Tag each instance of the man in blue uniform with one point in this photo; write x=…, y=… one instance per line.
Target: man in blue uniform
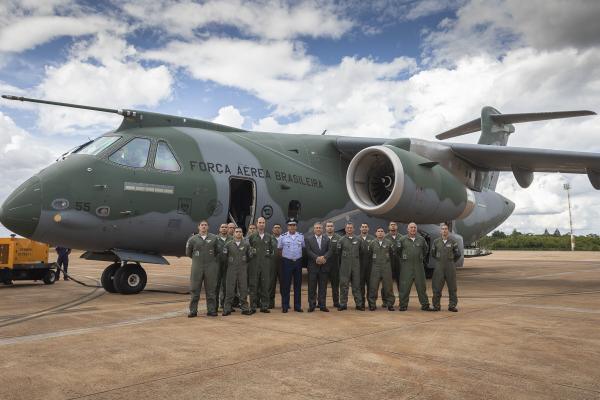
x=291, y=244
x=63, y=262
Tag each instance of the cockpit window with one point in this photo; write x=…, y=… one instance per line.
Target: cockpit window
x=133, y=154
x=165, y=160
x=96, y=146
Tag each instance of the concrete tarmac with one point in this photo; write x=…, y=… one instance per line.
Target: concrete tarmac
x=528, y=327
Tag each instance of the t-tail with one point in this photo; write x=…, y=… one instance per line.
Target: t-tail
x=496, y=127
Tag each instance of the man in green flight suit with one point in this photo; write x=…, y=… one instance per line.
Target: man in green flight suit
x=395, y=237
x=333, y=262
x=222, y=238
x=413, y=250
x=275, y=268
x=365, y=259
x=202, y=249
x=382, y=251
x=237, y=252
x=350, y=249
x=446, y=252
x=263, y=246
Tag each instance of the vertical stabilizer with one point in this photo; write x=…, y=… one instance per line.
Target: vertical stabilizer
x=492, y=133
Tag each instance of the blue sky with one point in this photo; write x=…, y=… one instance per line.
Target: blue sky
x=382, y=68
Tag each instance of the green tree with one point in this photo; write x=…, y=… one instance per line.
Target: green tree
x=498, y=235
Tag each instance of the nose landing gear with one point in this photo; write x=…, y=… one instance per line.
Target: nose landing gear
x=125, y=278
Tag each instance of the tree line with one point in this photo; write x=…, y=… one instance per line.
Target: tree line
x=499, y=240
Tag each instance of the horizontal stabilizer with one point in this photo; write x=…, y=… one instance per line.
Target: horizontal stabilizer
x=504, y=119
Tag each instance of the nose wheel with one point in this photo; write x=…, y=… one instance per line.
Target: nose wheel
x=129, y=278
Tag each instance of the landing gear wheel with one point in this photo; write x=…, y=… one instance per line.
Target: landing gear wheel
x=108, y=276
x=50, y=277
x=130, y=279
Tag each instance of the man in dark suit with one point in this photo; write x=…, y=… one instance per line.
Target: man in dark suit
x=318, y=250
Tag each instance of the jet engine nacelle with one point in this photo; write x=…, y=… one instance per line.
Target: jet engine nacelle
x=389, y=182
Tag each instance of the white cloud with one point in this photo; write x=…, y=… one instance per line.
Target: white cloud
x=544, y=204
x=261, y=68
x=423, y=8
x=103, y=72
x=358, y=94
x=21, y=155
x=494, y=27
x=30, y=32
x=230, y=116
x=268, y=19
x=27, y=24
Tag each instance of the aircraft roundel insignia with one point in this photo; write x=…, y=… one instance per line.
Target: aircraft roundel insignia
x=267, y=211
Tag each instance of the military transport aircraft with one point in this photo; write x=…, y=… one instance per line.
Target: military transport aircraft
x=136, y=194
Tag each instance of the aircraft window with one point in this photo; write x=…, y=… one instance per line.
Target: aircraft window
x=132, y=154
x=165, y=160
x=96, y=146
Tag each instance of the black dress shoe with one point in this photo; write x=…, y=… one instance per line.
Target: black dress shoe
x=298, y=310
x=342, y=308
x=453, y=309
x=426, y=308
x=265, y=310
x=247, y=312
x=336, y=305
x=391, y=308
x=284, y=310
x=436, y=309
x=324, y=309
x=212, y=314
x=360, y=308
x=372, y=308
x=311, y=309
x=402, y=309
x=226, y=313
x=193, y=314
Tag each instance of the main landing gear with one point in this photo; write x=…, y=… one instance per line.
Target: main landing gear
x=124, y=278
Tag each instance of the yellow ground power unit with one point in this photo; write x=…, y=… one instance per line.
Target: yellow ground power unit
x=24, y=259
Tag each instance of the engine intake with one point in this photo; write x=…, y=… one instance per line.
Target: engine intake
x=390, y=182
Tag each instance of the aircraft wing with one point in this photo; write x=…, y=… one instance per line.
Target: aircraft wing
x=528, y=160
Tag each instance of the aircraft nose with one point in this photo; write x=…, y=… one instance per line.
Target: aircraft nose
x=21, y=210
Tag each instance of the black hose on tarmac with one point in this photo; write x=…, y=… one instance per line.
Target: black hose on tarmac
x=99, y=286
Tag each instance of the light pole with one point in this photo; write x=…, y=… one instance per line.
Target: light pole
x=567, y=187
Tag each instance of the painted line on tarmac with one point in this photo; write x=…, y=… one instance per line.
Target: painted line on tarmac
x=558, y=308
x=562, y=273
x=162, y=284
x=83, y=331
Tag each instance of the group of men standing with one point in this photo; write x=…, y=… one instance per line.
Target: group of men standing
x=242, y=271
